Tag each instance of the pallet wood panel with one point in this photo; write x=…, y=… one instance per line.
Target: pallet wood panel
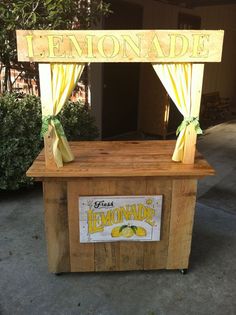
x=155, y=255
x=117, y=256
x=122, y=159
x=81, y=255
x=67, y=254
x=56, y=226
x=181, y=223
x=107, y=255
x=131, y=253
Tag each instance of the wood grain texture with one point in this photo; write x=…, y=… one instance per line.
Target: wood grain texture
x=56, y=226
x=81, y=255
x=122, y=159
x=196, y=93
x=131, y=253
x=181, y=223
x=46, y=103
x=108, y=169
x=48, y=149
x=120, y=46
x=107, y=255
x=117, y=256
x=155, y=255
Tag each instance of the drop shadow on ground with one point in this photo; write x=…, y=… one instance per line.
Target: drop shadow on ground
x=6, y=195
x=212, y=236
x=204, y=247
x=222, y=195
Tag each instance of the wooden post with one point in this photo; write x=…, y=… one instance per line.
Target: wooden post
x=181, y=222
x=196, y=92
x=56, y=225
x=46, y=101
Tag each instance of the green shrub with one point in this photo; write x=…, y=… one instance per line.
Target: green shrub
x=77, y=122
x=20, y=142
x=19, y=138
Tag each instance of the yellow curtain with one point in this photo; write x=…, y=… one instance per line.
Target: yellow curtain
x=176, y=79
x=63, y=80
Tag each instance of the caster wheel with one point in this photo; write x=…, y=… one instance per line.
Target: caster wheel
x=58, y=273
x=183, y=271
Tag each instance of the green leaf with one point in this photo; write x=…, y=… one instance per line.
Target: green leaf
x=34, y=17
x=134, y=228
x=122, y=228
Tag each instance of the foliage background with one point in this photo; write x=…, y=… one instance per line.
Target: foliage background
x=20, y=115
x=20, y=142
x=41, y=14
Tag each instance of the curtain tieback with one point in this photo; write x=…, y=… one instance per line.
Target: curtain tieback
x=188, y=121
x=46, y=121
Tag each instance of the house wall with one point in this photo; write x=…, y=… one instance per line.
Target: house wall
x=218, y=76
x=221, y=76
x=152, y=95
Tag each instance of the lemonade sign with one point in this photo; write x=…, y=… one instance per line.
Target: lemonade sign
x=120, y=218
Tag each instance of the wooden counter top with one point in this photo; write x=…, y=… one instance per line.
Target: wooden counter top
x=122, y=159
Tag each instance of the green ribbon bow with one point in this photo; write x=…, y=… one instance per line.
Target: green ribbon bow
x=187, y=121
x=46, y=121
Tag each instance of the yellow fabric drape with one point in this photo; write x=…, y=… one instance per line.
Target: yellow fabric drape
x=63, y=80
x=176, y=79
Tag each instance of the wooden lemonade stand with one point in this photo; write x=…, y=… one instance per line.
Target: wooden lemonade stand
x=120, y=205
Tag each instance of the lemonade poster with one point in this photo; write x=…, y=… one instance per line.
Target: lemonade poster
x=120, y=218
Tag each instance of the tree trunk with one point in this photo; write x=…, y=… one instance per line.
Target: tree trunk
x=37, y=78
x=7, y=86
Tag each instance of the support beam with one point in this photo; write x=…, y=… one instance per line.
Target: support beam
x=46, y=101
x=56, y=226
x=196, y=92
x=181, y=222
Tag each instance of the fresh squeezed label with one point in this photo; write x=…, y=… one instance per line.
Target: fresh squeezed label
x=120, y=218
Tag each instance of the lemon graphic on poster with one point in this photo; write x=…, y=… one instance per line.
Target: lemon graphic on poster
x=140, y=231
x=127, y=231
x=149, y=201
x=115, y=231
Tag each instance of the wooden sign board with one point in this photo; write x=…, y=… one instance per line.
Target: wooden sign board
x=120, y=218
x=157, y=46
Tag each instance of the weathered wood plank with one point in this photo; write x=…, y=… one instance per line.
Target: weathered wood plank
x=176, y=230
x=106, y=255
x=191, y=136
x=131, y=253
x=155, y=254
x=56, y=226
x=120, y=46
x=181, y=223
x=81, y=255
x=117, y=255
x=121, y=159
x=46, y=101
